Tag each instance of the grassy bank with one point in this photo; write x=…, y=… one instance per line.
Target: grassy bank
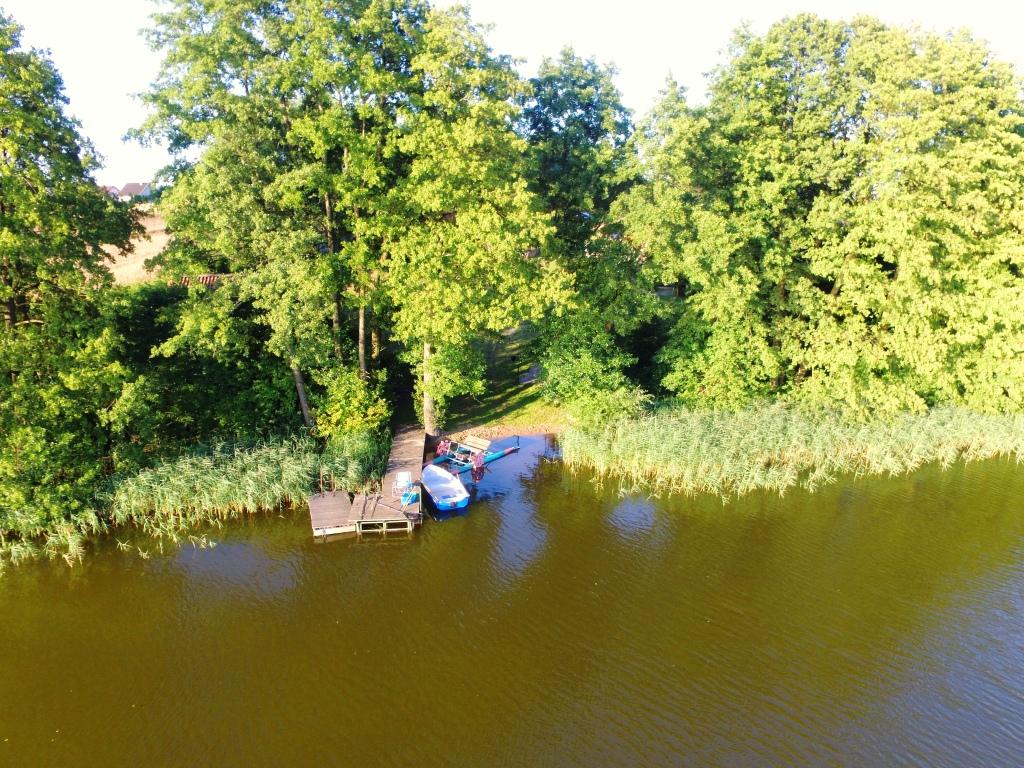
x=514, y=402
x=776, y=447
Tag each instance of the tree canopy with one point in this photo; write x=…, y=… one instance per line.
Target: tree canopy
x=845, y=216
x=467, y=245
x=59, y=373
x=361, y=156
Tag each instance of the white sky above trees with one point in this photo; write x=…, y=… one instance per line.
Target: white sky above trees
x=97, y=47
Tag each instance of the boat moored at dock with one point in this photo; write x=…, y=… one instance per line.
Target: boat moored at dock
x=444, y=488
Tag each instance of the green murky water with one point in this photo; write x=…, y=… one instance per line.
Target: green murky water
x=876, y=622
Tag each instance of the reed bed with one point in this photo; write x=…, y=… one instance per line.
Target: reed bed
x=221, y=483
x=227, y=481
x=24, y=536
x=207, y=486
x=776, y=447
x=357, y=460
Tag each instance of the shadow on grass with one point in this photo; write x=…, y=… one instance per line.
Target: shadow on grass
x=495, y=407
x=508, y=401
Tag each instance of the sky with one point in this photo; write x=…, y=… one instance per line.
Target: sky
x=98, y=50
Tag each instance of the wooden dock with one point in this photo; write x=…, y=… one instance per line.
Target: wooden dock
x=335, y=512
x=331, y=513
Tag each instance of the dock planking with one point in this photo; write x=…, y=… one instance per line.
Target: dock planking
x=333, y=512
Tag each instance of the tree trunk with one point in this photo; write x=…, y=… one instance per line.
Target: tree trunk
x=375, y=345
x=12, y=300
x=336, y=324
x=332, y=249
x=300, y=389
x=429, y=418
x=374, y=323
x=12, y=320
x=363, y=373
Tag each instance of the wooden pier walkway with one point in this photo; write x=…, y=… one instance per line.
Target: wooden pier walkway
x=334, y=512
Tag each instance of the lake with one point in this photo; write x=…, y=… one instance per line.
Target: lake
x=874, y=622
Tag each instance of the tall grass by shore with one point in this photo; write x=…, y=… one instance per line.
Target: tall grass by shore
x=230, y=480
x=776, y=447
x=61, y=538
x=206, y=486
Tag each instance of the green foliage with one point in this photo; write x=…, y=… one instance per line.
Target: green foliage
x=194, y=374
x=844, y=222
x=295, y=112
x=53, y=216
x=349, y=404
x=459, y=250
x=845, y=216
x=357, y=460
x=453, y=370
x=59, y=366
x=372, y=165
x=580, y=160
x=222, y=483
x=53, y=445
x=464, y=237
x=577, y=130
x=776, y=447
x=583, y=369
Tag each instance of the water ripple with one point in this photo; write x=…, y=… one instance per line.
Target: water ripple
x=877, y=622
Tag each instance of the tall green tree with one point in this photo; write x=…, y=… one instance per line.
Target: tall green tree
x=845, y=215
x=577, y=129
x=580, y=161
x=294, y=107
x=358, y=152
x=59, y=373
x=466, y=239
x=351, y=66
x=219, y=95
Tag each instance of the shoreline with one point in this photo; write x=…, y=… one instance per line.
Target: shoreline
x=497, y=431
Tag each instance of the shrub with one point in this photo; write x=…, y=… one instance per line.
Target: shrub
x=349, y=404
x=583, y=371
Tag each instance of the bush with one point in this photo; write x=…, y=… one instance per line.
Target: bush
x=349, y=404
x=583, y=371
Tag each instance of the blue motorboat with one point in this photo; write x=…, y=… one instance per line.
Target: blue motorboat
x=445, y=489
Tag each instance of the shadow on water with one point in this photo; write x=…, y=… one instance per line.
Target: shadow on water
x=557, y=622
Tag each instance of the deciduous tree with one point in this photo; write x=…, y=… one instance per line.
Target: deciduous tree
x=59, y=372
x=846, y=216
x=466, y=238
